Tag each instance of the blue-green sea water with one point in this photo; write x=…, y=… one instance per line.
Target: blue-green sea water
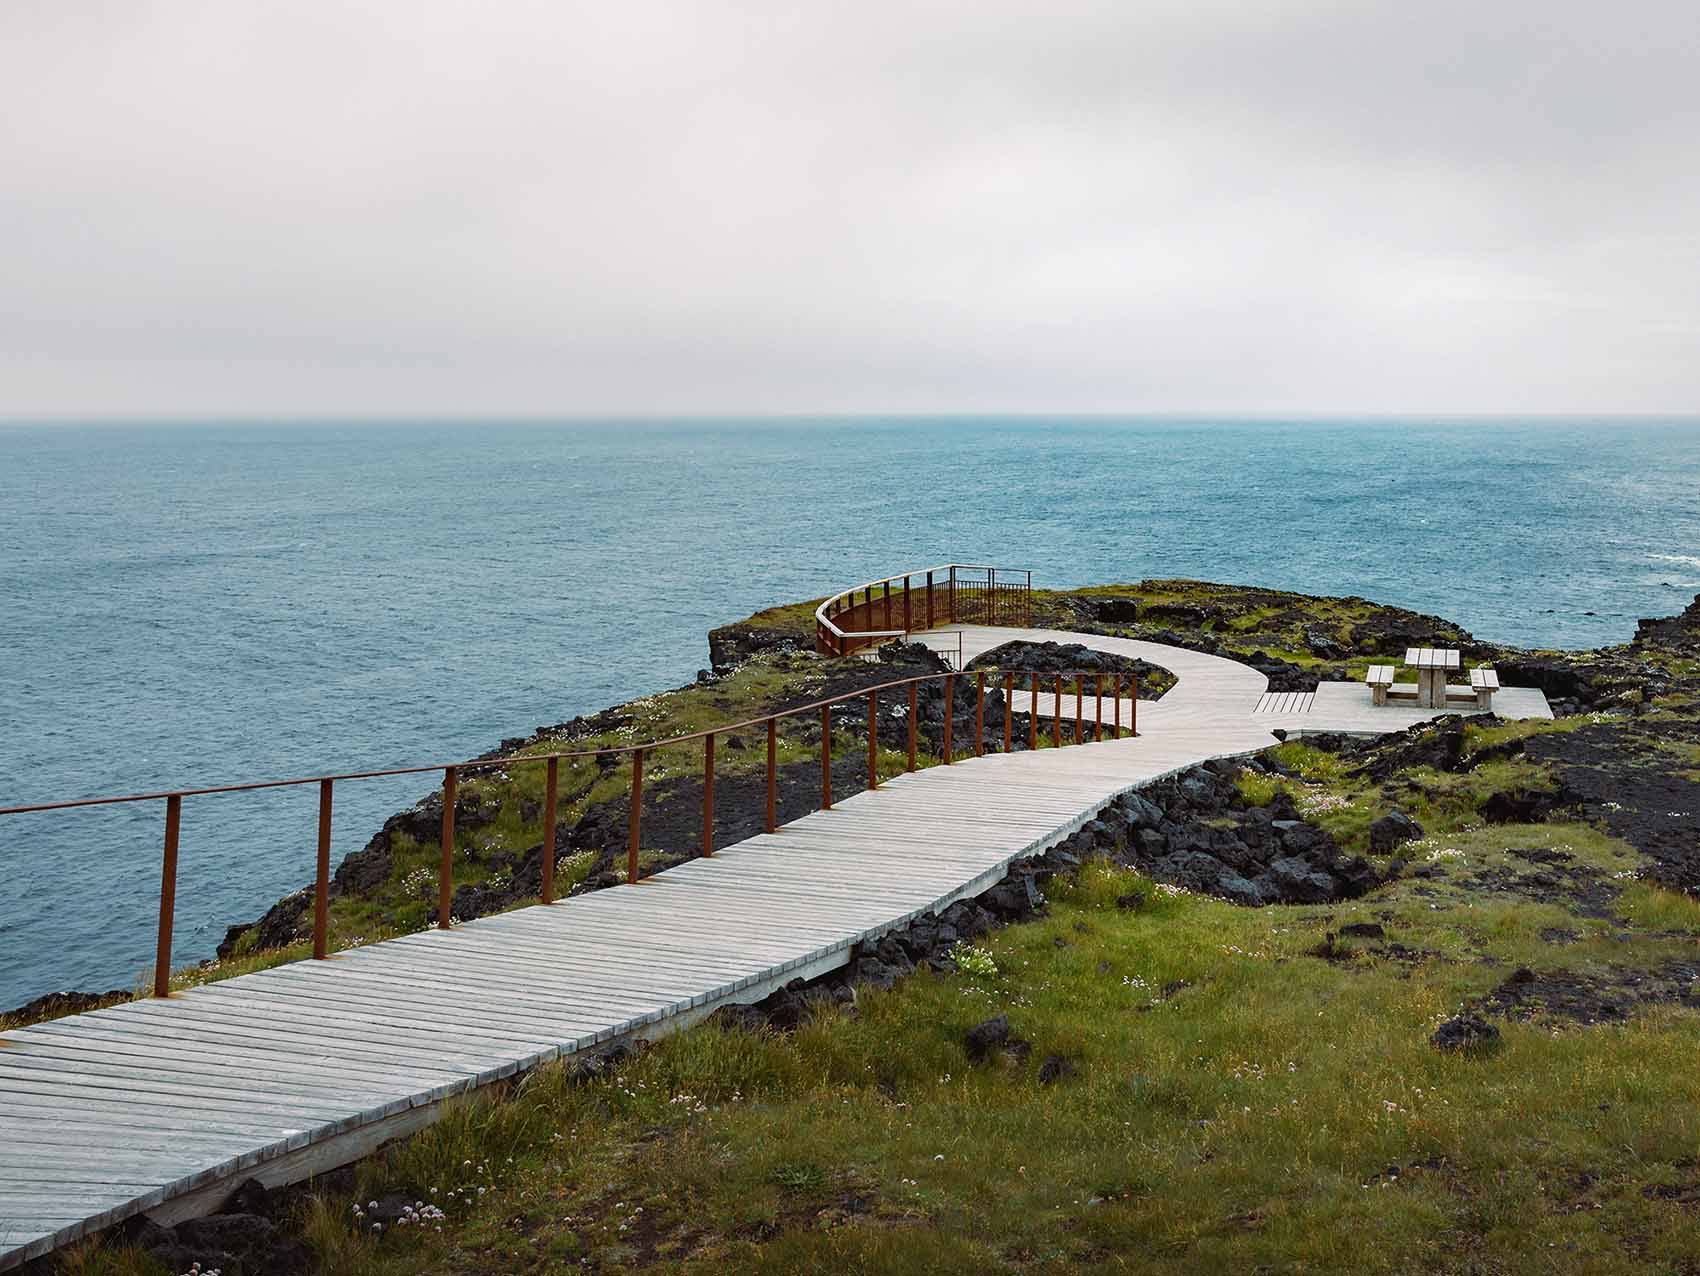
x=204, y=603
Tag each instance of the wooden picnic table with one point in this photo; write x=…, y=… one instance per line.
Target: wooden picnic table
x=1432, y=665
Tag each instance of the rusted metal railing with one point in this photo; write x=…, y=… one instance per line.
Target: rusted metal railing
x=1126, y=687
x=949, y=594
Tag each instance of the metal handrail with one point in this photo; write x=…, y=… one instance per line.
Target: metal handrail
x=831, y=639
x=451, y=772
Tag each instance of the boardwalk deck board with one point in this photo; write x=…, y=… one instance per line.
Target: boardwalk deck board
x=119, y=1111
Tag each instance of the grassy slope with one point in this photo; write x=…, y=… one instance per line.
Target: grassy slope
x=1240, y=1102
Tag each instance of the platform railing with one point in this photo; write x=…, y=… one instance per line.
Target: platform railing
x=1088, y=685
x=896, y=606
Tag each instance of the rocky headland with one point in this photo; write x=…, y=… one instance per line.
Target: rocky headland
x=1624, y=754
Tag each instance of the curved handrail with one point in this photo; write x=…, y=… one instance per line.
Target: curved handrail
x=967, y=597
x=451, y=772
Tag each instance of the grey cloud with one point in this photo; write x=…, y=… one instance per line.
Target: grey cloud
x=269, y=208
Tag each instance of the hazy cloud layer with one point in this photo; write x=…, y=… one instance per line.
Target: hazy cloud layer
x=1273, y=205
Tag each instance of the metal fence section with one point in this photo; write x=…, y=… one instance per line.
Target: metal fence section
x=896, y=606
x=1070, y=694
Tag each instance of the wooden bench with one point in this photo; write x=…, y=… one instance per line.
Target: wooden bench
x=1379, y=678
x=1484, y=682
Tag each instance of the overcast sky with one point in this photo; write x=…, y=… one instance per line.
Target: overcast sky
x=237, y=206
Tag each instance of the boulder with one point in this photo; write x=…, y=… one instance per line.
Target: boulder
x=1239, y=890
x=1296, y=835
x=787, y=1007
x=983, y=1038
x=1055, y=1068
x=1151, y=843
x=1438, y=744
x=1356, y=876
x=229, y=1243
x=1519, y=806
x=1300, y=881
x=877, y=974
x=1325, y=646
x=1107, y=611
x=1200, y=791
x=1391, y=830
x=1467, y=1033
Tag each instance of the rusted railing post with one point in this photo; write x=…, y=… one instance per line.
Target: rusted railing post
x=446, y=864
x=322, y=877
x=167, y=897
x=1033, y=716
x=1133, y=706
x=907, y=627
x=949, y=714
x=1119, y=680
x=913, y=722
x=980, y=713
x=708, y=794
x=772, y=774
x=1008, y=711
x=1056, y=720
x=636, y=821
x=873, y=739
x=826, y=757
x=1079, y=704
x=929, y=600
x=551, y=787
x=1098, y=688
x=886, y=588
x=952, y=594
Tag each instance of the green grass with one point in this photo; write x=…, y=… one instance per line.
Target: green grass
x=1242, y=618
x=1239, y=1103
x=1237, y=1106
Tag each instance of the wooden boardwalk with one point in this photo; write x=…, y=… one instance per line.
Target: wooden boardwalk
x=163, y=1106
x=1285, y=702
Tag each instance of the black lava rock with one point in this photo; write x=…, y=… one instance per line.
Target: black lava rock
x=1467, y=1032
x=983, y=1038
x=1519, y=806
x=1055, y=1068
x=1392, y=829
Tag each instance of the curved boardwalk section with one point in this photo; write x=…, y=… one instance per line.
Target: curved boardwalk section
x=162, y=1106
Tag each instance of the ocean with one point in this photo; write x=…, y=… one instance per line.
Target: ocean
x=204, y=603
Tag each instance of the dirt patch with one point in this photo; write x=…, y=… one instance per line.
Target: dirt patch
x=1554, y=879
x=1685, y=1191
x=1588, y=999
x=1625, y=781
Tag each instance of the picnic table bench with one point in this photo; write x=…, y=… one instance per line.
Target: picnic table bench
x=1431, y=691
x=1382, y=687
x=1484, y=682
